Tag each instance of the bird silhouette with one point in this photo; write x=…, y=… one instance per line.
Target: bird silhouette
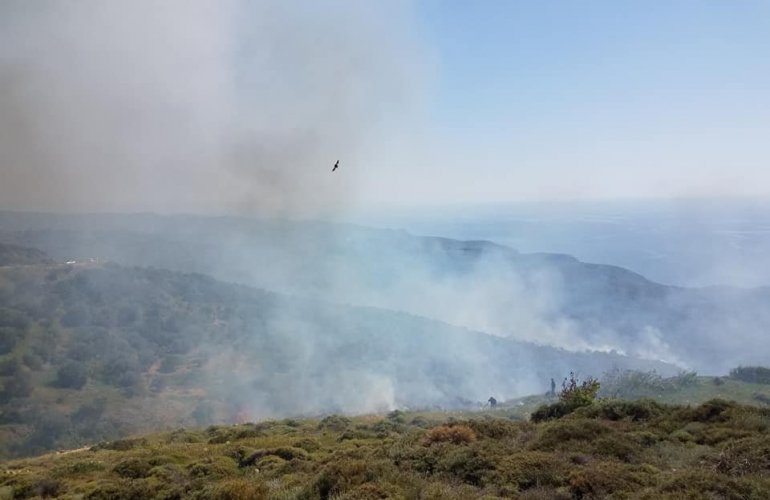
x=336, y=166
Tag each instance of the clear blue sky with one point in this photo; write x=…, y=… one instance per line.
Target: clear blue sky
x=646, y=98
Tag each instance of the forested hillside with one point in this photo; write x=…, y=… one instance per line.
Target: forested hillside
x=545, y=298
x=91, y=351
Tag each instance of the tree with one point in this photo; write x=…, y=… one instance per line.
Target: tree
x=575, y=394
x=72, y=375
x=18, y=386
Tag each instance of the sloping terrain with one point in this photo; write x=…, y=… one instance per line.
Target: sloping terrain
x=94, y=351
x=14, y=255
x=611, y=449
x=545, y=298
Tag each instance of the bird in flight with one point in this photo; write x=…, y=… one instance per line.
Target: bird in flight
x=336, y=166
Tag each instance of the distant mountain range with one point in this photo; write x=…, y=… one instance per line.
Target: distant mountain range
x=549, y=299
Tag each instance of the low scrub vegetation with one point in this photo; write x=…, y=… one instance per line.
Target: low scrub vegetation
x=606, y=449
x=752, y=374
x=455, y=434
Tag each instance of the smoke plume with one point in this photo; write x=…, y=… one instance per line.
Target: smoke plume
x=206, y=106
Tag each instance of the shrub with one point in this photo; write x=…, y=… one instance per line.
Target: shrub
x=752, y=374
x=636, y=411
x=455, y=434
x=631, y=383
x=71, y=375
x=32, y=361
x=8, y=339
x=336, y=423
x=9, y=366
x=132, y=468
x=708, y=484
x=48, y=488
x=715, y=410
x=237, y=489
x=745, y=456
x=397, y=416
x=343, y=475
x=601, y=479
x=170, y=363
x=420, y=421
x=120, y=444
x=575, y=394
x=18, y=386
x=496, y=428
x=468, y=465
x=550, y=412
x=561, y=432
x=529, y=469
x=308, y=444
x=284, y=452
x=215, y=467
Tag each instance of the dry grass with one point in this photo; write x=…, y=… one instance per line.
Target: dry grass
x=455, y=434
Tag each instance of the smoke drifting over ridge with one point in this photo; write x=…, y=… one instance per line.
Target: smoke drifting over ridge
x=215, y=106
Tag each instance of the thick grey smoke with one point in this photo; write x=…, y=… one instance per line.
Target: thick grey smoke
x=209, y=106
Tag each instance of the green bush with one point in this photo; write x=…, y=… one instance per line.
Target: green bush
x=285, y=452
x=18, y=386
x=574, y=394
x=343, y=475
x=455, y=434
x=745, y=456
x=709, y=484
x=531, y=469
x=496, y=428
x=605, y=479
x=562, y=433
x=615, y=409
x=466, y=464
x=132, y=468
x=120, y=444
x=9, y=337
x=71, y=375
x=212, y=467
x=236, y=489
x=752, y=374
x=336, y=423
x=550, y=412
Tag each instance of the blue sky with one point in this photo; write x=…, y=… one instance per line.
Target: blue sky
x=634, y=62
x=666, y=98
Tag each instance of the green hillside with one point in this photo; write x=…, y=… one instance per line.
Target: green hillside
x=611, y=449
x=477, y=284
x=91, y=352
x=14, y=255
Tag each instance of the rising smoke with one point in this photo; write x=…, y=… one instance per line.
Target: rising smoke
x=207, y=106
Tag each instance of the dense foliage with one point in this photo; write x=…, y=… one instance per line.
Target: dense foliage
x=611, y=448
x=91, y=352
x=14, y=255
x=574, y=394
x=753, y=374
